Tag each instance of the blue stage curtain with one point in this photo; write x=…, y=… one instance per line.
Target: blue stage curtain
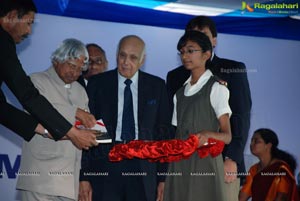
x=274, y=27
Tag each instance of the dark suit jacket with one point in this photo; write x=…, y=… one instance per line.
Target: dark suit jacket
x=235, y=74
x=154, y=119
x=19, y=83
x=81, y=81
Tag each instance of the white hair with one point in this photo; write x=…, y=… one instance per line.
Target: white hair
x=70, y=49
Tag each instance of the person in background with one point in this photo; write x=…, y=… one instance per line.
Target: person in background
x=235, y=74
x=200, y=107
x=97, y=63
x=133, y=105
x=57, y=163
x=272, y=178
x=16, y=19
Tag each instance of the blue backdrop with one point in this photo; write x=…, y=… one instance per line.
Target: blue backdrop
x=262, y=23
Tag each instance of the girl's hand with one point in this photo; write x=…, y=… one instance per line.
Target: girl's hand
x=203, y=138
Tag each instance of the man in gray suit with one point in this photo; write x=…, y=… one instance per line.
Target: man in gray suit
x=50, y=170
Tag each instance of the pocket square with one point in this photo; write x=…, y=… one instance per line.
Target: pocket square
x=151, y=102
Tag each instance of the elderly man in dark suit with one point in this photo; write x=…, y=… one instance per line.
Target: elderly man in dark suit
x=97, y=63
x=235, y=74
x=144, y=114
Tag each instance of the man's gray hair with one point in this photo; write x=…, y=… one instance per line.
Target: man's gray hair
x=143, y=53
x=70, y=49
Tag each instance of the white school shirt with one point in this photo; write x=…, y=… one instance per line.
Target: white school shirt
x=219, y=95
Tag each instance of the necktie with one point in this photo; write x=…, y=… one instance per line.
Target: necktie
x=128, y=127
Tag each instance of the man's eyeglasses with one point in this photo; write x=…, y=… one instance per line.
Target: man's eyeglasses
x=76, y=68
x=96, y=61
x=189, y=52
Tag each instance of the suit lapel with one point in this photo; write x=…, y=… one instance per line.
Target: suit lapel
x=81, y=81
x=215, y=62
x=113, y=100
x=142, y=91
x=215, y=67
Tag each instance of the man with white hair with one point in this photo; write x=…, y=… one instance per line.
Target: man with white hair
x=50, y=170
x=133, y=105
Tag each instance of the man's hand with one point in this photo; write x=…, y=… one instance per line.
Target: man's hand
x=43, y=132
x=160, y=191
x=85, y=191
x=87, y=119
x=39, y=129
x=230, y=170
x=82, y=139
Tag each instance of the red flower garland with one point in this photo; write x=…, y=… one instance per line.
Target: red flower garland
x=165, y=150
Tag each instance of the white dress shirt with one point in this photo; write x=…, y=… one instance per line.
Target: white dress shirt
x=134, y=91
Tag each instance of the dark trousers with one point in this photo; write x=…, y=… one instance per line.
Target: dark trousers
x=123, y=182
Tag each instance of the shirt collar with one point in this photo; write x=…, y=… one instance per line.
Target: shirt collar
x=212, y=55
x=134, y=79
x=57, y=79
x=207, y=74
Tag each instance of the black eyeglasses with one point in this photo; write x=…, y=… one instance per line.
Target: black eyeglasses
x=189, y=52
x=96, y=61
x=72, y=66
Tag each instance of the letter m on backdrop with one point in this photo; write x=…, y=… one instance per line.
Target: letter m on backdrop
x=11, y=170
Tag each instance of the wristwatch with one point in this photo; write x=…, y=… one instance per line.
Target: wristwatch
x=45, y=134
